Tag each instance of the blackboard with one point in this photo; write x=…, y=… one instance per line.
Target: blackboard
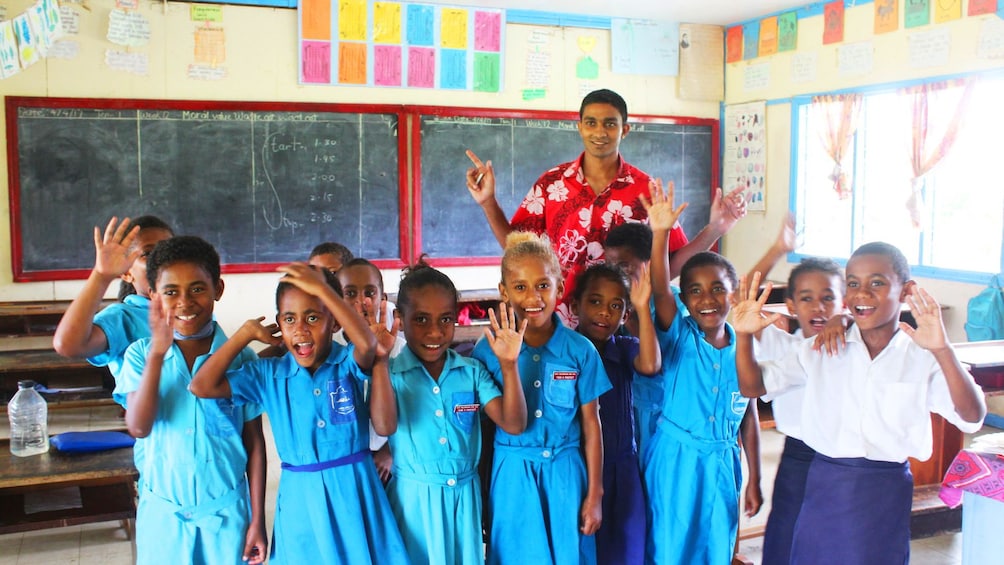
x=522, y=146
x=263, y=182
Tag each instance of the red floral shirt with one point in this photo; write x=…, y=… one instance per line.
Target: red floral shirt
x=562, y=206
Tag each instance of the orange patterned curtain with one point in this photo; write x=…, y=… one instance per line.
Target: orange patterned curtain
x=839, y=113
x=927, y=149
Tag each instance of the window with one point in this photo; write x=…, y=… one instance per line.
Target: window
x=962, y=217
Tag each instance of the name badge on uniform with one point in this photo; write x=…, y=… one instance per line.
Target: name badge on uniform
x=466, y=408
x=565, y=375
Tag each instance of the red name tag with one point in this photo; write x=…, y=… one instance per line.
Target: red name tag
x=466, y=407
x=565, y=375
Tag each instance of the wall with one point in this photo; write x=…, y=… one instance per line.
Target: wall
x=262, y=65
x=891, y=64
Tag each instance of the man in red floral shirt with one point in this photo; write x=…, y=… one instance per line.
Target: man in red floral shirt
x=576, y=204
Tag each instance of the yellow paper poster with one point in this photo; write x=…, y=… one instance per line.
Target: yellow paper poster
x=352, y=20
x=768, y=36
x=947, y=10
x=453, y=29
x=387, y=22
x=207, y=13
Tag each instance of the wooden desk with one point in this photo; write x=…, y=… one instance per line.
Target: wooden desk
x=44, y=365
x=33, y=318
x=106, y=480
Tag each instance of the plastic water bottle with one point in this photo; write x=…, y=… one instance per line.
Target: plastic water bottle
x=29, y=427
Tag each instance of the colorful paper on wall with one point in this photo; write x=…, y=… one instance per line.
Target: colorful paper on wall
x=387, y=22
x=768, y=36
x=745, y=159
x=916, y=13
x=207, y=13
x=751, y=41
x=833, y=22
x=787, y=31
x=980, y=7
x=352, y=21
x=27, y=41
x=644, y=47
x=315, y=20
x=586, y=67
x=947, y=10
x=734, y=44
x=210, y=46
x=886, y=16
x=9, y=61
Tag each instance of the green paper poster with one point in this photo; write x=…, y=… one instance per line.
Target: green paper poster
x=486, y=72
x=787, y=31
x=587, y=68
x=917, y=13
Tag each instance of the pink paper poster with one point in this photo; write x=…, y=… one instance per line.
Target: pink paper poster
x=421, y=67
x=316, y=61
x=488, y=31
x=387, y=65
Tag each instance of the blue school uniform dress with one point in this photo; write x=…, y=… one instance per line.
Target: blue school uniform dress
x=434, y=490
x=647, y=396
x=692, y=469
x=621, y=537
x=193, y=494
x=539, y=476
x=331, y=507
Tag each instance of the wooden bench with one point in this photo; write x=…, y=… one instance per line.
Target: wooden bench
x=106, y=481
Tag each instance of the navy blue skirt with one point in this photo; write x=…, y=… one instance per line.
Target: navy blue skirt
x=855, y=512
x=789, y=490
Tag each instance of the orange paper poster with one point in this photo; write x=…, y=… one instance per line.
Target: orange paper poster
x=768, y=36
x=387, y=22
x=352, y=63
x=886, y=16
x=980, y=7
x=833, y=22
x=947, y=10
x=734, y=44
x=352, y=20
x=453, y=28
x=316, y=19
x=210, y=46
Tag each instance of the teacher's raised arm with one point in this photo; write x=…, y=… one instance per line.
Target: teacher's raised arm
x=481, y=185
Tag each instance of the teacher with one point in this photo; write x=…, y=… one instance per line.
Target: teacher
x=576, y=204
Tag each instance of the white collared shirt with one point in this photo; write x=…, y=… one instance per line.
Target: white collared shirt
x=773, y=345
x=856, y=406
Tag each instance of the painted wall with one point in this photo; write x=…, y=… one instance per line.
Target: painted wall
x=891, y=63
x=261, y=62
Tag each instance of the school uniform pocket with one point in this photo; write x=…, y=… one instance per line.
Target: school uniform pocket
x=221, y=416
x=465, y=409
x=559, y=386
x=341, y=401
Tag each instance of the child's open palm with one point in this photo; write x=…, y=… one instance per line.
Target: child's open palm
x=114, y=251
x=661, y=213
x=304, y=277
x=385, y=338
x=641, y=288
x=504, y=338
x=747, y=309
x=258, y=331
x=161, y=331
x=930, y=332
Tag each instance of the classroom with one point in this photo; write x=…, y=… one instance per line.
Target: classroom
x=549, y=61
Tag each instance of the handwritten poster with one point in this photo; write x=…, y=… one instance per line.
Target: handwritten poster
x=745, y=158
x=855, y=58
x=930, y=48
x=400, y=44
x=833, y=22
x=701, y=53
x=128, y=28
x=756, y=76
x=135, y=63
x=787, y=31
x=537, y=78
x=804, y=67
x=210, y=46
x=980, y=7
x=991, y=41
x=886, y=16
x=947, y=10
x=644, y=47
x=734, y=44
x=916, y=13
x=751, y=41
x=768, y=36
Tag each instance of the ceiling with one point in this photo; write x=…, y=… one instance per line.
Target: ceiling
x=721, y=12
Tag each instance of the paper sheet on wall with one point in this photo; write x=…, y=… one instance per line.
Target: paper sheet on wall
x=804, y=67
x=206, y=72
x=855, y=58
x=3, y=13
x=70, y=18
x=644, y=47
x=930, y=48
x=9, y=61
x=991, y=40
x=135, y=63
x=745, y=158
x=210, y=46
x=756, y=77
x=64, y=49
x=701, y=52
x=537, y=76
x=128, y=28
x=28, y=42
x=586, y=66
x=886, y=16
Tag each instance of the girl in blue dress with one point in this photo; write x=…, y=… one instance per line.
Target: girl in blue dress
x=434, y=490
x=547, y=483
x=600, y=301
x=331, y=507
x=692, y=467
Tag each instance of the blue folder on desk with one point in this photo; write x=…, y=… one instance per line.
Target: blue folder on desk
x=85, y=442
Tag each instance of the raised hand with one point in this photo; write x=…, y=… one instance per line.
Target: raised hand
x=787, y=240
x=661, y=213
x=305, y=277
x=255, y=330
x=114, y=250
x=641, y=288
x=480, y=180
x=930, y=332
x=503, y=336
x=727, y=209
x=161, y=330
x=747, y=307
x=386, y=339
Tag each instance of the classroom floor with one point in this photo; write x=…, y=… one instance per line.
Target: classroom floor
x=106, y=544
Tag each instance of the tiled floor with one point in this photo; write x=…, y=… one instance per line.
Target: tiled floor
x=106, y=543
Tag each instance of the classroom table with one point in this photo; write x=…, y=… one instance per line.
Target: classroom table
x=976, y=480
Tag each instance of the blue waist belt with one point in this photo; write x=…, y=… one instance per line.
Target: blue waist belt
x=314, y=467
x=703, y=445
x=439, y=479
x=538, y=453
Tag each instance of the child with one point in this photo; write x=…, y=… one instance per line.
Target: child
x=331, y=506
x=194, y=495
x=600, y=301
x=547, y=483
x=330, y=255
x=692, y=465
x=865, y=409
x=435, y=492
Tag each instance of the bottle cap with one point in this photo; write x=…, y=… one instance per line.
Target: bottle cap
x=25, y=384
